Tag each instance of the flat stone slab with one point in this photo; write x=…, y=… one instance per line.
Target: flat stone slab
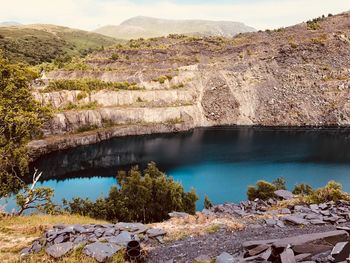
x=101, y=252
x=59, y=250
x=284, y=194
x=122, y=239
x=295, y=220
x=154, y=232
x=225, y=258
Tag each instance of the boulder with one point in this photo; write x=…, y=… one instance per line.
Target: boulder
x=284, y=194
x=101, y=252
x=59, y=250
x=225, y=258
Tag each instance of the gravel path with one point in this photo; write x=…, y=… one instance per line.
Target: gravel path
x=187, y=250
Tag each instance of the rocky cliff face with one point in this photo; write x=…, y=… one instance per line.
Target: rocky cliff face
x=295, y=76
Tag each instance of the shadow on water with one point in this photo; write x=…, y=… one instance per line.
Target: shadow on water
x=219, y=157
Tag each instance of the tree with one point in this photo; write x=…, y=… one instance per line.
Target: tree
x=35, y=198
x=21, y=119
x=207, y=203
x=146, y=196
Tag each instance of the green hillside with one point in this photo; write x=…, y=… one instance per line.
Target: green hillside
x=35, y=44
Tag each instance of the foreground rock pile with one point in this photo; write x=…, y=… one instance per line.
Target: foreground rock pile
x=322, y=214
x=99, y=241
x=332, y=246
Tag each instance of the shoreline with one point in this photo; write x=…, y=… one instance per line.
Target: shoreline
x=39, y=148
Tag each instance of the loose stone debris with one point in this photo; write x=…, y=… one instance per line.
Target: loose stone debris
x=100, y=241
x=332, y=246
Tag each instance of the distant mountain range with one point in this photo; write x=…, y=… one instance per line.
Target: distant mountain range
x=147, y=27
x=9, y=23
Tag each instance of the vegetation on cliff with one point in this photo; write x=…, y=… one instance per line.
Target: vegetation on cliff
x=89, y=85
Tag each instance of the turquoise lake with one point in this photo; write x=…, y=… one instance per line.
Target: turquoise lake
x=220, y=162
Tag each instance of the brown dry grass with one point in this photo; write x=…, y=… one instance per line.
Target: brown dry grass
x=18, y=232
x=199, y=224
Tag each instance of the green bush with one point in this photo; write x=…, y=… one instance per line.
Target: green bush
x=302, y=189
x=207, y=203
x=280, y=183
x=146, y=196
x=331, y=192
x=263, y=190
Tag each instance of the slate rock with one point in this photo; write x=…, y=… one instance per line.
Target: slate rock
x=284, y=194
x=314, y=207
x=295, y=220
x=257, y=250
x=59, y=250
x=131, y=227
x=317, y=222
x=285, y=211
x=341, y=251
x=280, y=224
x=101, y=252
x=122, y=239
x=303, y=257
x=154, y=232
x=178, y=214
x=323, y=206
x=287, y=256
x=25, y=251
x=79, y=229
x=60, y=239
x=225, y=258
x=36, y=246
x=270, y=222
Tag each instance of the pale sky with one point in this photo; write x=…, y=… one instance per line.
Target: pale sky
x=91, y=14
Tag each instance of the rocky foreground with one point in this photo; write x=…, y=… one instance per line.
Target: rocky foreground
x=252, y=231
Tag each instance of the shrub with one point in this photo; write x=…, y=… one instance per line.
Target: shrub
x=162, y=79
x=331, y=192
x=263, y=190
x=280, y=183
x=302, y=189
x=207, y=203
x=88, y=85
x=114, y=57
x=146, y=196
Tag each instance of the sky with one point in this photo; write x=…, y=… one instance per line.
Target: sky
x=91, y=14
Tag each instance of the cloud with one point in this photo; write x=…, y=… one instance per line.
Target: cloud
x=90, y=14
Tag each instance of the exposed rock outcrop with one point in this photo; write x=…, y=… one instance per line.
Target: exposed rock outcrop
x=295, y=76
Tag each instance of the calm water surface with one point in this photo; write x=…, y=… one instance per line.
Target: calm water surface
x=220, y=162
